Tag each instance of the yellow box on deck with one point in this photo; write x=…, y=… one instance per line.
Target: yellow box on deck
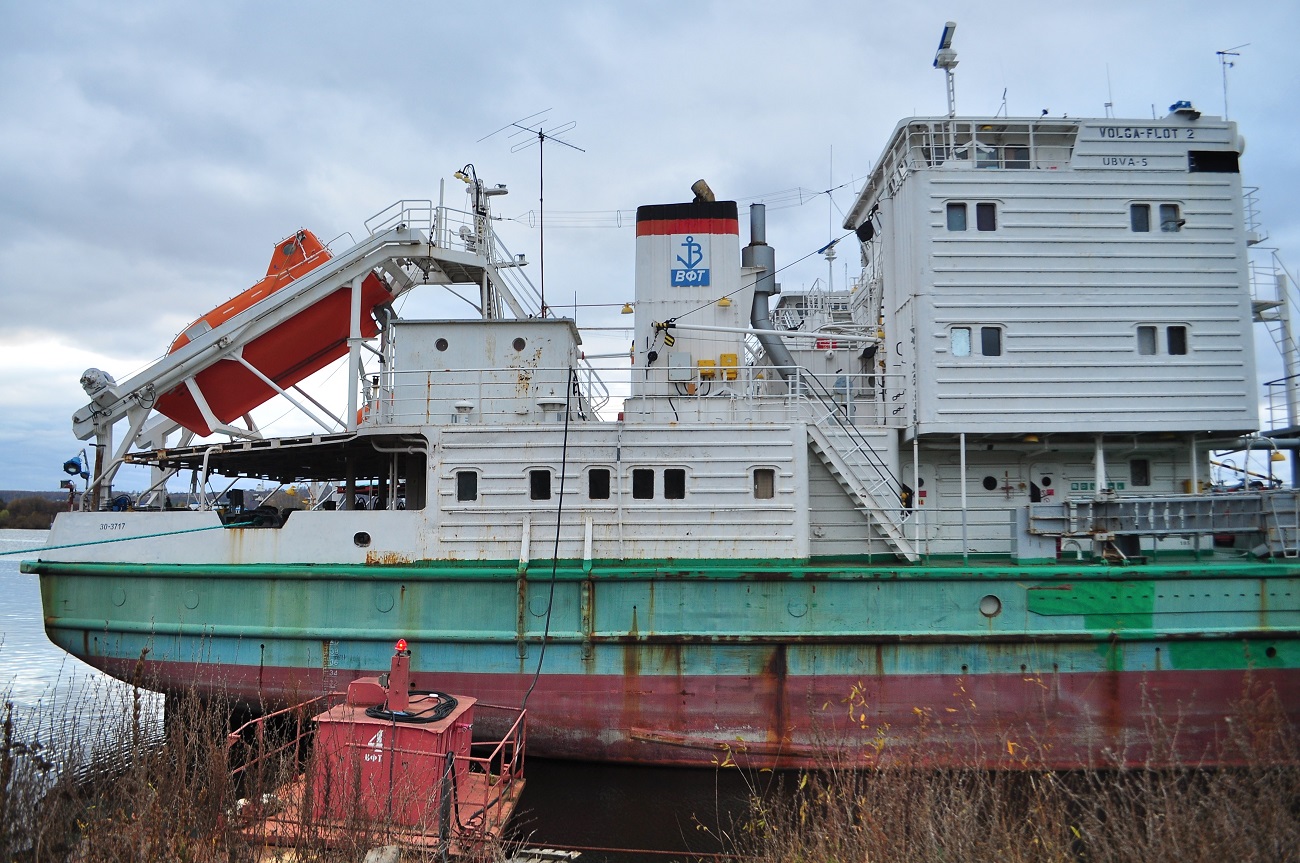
x=730, y=366
x=708, y=369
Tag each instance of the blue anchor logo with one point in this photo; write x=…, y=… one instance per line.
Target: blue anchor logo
x=693, y=275
x=694, y=253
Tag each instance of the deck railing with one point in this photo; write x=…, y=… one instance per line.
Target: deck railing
x=482, y=396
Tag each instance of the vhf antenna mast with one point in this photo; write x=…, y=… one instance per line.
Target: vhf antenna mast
x=1227, y=64
x=946, y=59
x=534, y=127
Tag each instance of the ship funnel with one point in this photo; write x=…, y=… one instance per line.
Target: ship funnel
x=688, y=268
x=759, y=254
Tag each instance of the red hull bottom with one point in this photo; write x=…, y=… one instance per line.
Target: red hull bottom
x=1058, y=720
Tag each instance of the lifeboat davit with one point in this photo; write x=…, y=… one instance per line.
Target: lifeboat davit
x=305, y=343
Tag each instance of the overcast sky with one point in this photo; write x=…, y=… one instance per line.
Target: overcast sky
x=151, y=154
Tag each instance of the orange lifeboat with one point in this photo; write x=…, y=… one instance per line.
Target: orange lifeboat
x=305, y=343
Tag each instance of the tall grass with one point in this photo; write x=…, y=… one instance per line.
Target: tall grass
x=122, y=785
x=909, y=811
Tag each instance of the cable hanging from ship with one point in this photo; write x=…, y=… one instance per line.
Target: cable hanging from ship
x=569, y=391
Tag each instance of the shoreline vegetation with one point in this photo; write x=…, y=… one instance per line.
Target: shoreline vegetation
x=112, y=775
x=29, y=512
x=129, y=785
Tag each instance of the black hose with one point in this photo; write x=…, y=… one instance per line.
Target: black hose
x=444, y=707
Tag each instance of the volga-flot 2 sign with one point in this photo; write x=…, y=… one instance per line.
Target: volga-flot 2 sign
x=693, y=255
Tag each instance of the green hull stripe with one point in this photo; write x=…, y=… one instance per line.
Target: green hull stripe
x=752, y=569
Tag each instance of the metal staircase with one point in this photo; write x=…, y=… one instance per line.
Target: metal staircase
x=1282, y=524
x=865, y=477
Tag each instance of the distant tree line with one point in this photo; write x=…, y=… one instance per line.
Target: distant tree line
x=29, y=513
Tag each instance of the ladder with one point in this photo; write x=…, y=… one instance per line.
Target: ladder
x=865, y=477
x=1282, y=524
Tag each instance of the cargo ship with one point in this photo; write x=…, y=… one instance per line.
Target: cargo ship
x=962, y=504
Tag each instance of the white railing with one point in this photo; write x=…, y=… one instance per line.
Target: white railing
x=418, y=214
x=501, y=395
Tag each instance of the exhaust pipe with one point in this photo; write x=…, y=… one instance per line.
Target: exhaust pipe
x=759, y=254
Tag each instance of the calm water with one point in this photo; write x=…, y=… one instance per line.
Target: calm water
x=58, y=701
x=564, y=803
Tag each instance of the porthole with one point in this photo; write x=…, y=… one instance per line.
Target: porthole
x=990, y=606
x=1271, y=652
x=362, y=539
x=440, y=344
x=1045, y=482
x=519, y=344
x=990, y=483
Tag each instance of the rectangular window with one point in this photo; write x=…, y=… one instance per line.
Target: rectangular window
x=1218, y=161
x=539, y=484
x=1139, y=217
x=1170, y=221
x=1139, y=471
x=466, y=485
x=1146, y=341
x=1176, y=340
x=643, y=483
x=1015, y=157
x=956, y=217
x=986, y=217
x=991, y=341
x=674, y=483
x=960, y=341
x=598, y=483
x=764, y=483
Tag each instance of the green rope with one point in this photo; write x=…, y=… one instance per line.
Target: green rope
x=44, y=548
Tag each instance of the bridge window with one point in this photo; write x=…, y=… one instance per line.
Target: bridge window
x=598, y=483
x=1139, y=217
x=956, y=217
x=1170, y=219
x=1176, y=340
x=991, y=341
x=1219, y=161
x=764, y=483
x=1146, y=341
x=986, y=217
x=1015, y=157
x=674, y=483
x=643, y=483
x=466, y=485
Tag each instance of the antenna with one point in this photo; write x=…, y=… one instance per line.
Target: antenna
x=1110, y=96
x=946, y=59
x=534, y=127
x=1227, y=64
x=830, y=219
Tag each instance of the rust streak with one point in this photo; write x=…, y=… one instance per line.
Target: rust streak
x=386, y=558
x=775, y=675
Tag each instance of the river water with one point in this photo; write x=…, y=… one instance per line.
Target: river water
x=564, y=803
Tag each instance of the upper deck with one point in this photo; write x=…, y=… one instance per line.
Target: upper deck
x=1082, y=276
x=1184, y=141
